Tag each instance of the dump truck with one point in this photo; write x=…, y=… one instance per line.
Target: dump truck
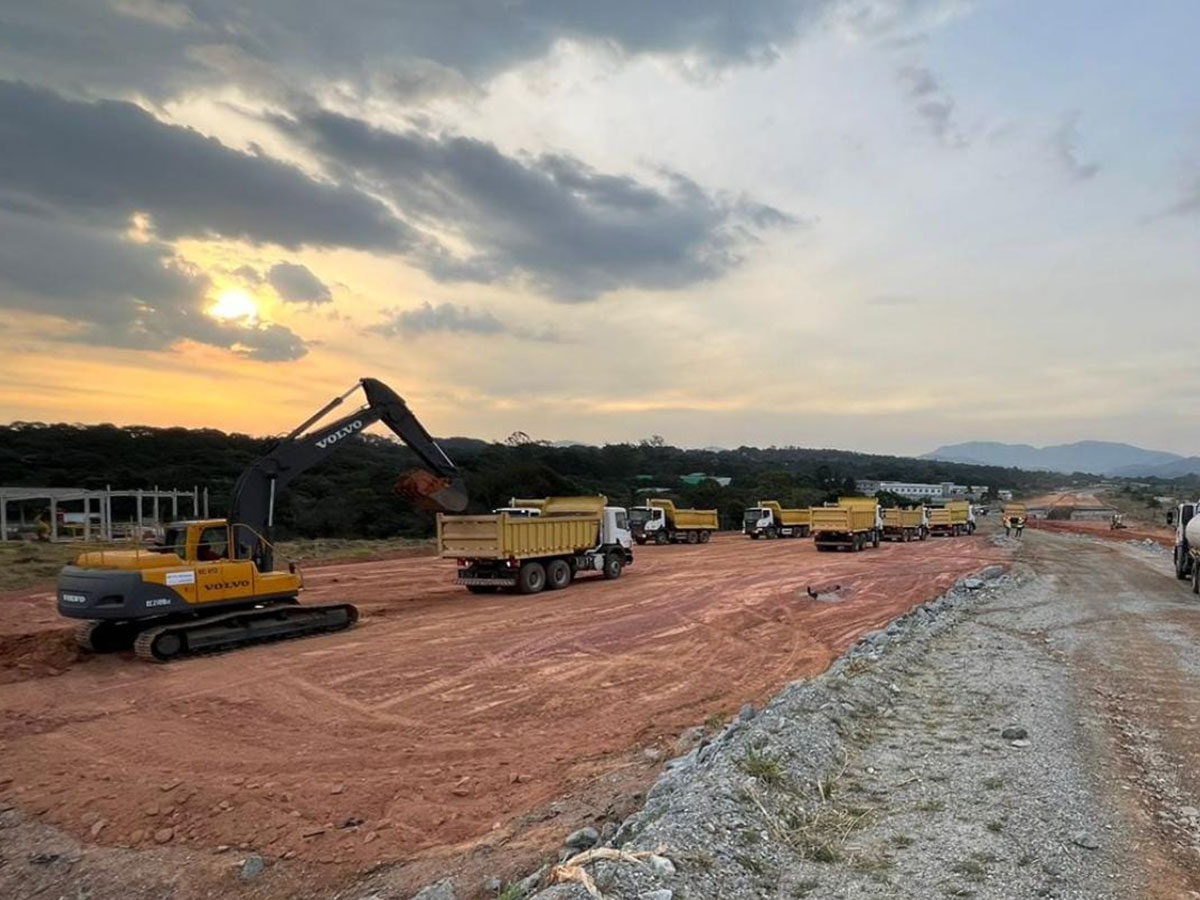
x=530, y=554
x=770, y=520
x=662, y=522
x=952, y=519
x=853, y=523
x=905, y=524
x=1013, y=518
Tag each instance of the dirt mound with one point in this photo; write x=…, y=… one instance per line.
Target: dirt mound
x=38, y=654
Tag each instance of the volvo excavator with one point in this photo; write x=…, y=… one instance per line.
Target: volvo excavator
x=212, y=584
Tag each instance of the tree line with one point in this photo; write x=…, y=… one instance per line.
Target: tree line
x=350, y=494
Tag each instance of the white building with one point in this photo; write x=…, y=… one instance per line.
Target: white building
x=908, y=489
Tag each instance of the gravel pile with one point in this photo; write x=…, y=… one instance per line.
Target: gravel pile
x=929, y=760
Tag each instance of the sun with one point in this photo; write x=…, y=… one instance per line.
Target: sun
x=234, y=304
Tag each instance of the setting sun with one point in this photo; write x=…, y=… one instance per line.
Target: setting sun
x=234, y=304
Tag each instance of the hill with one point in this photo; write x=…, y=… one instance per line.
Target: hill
x=1094, y=457
x=349, y=495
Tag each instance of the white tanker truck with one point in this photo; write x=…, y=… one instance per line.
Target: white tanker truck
x=1187, y=544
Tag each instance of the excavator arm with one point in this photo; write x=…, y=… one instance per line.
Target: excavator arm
x=252, y=509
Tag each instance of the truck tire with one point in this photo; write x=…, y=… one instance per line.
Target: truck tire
x=660, y=538
x=924, y=534
x=705, y=536
x=1195, y=579
x=614, y=564
x=640, y=540
x=875, y=539
x=1181, y=561
x=558, y=574
x=771, y=534
x=693, y=537
x=754, y=535
x=531, y=579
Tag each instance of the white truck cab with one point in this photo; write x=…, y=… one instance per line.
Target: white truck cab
x=615, y=530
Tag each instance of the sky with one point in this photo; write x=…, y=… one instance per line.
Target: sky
x=881, y=225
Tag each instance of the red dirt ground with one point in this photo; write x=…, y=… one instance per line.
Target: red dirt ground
x=467, y=733
x=1135, y=532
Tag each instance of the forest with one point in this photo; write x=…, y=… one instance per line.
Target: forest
x=350, y=494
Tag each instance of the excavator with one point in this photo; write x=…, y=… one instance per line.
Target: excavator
x=212, y=584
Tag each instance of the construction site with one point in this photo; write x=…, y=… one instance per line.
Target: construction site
x=453, y=726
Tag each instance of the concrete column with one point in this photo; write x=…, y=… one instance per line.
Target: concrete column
x=87, y=517
x=174, y=505
x=157, y=520
x=206, y=503
x=139, y=515
x=53, y=519
x=108, y=529
x=195, y=502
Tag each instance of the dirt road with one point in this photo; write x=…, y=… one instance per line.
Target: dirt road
x=449, y=731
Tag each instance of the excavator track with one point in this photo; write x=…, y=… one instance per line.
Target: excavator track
x=213, y=634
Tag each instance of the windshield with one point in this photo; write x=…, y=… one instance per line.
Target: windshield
x=753, y=515
x=174, y=540
x=639, y=515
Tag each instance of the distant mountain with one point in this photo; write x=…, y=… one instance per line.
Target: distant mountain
x=1094, y=457
x=1175, y=469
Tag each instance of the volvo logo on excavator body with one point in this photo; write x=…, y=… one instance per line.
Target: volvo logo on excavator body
x=345, y=431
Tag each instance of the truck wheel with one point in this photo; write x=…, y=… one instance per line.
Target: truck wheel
x=1195, y=579
x=532, y=578
x=875, y=539
x=705, y=536
x=924, y=533
x=640, y=540
x=558, y=575
x=693, y=537
x=613, y=565
x=771, y=534
x=660, y=538
x=1180, y=563
x=754, y=535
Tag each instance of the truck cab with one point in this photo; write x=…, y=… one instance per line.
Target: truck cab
x=757, y=522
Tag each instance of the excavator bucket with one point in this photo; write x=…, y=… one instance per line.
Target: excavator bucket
x=429, y=492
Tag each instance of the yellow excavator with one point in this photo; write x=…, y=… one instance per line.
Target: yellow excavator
x=212, y=584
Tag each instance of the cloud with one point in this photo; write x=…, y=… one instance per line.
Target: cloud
x=296, y=284
x=106, y=161
x=1188, y=203
x=119, y=292
x=1064, y=146
x=931, y=102
x=891, y=300
x=149, y=46
x=455, y=319
x=552, y=221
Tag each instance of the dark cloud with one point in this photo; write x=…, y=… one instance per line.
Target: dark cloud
x=932, y=103
x=106, y=161
x=550, y=220
x=452, y=318
x=410, y=50
x=118, y=292
x=1064, y=145
x=297, y=284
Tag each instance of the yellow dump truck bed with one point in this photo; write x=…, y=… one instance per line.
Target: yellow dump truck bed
x=842, y=519
x=500, y=536
x=902, y=518
x=787, y=516
x=951, y=514
x=688, y=519
x=1016, y=510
